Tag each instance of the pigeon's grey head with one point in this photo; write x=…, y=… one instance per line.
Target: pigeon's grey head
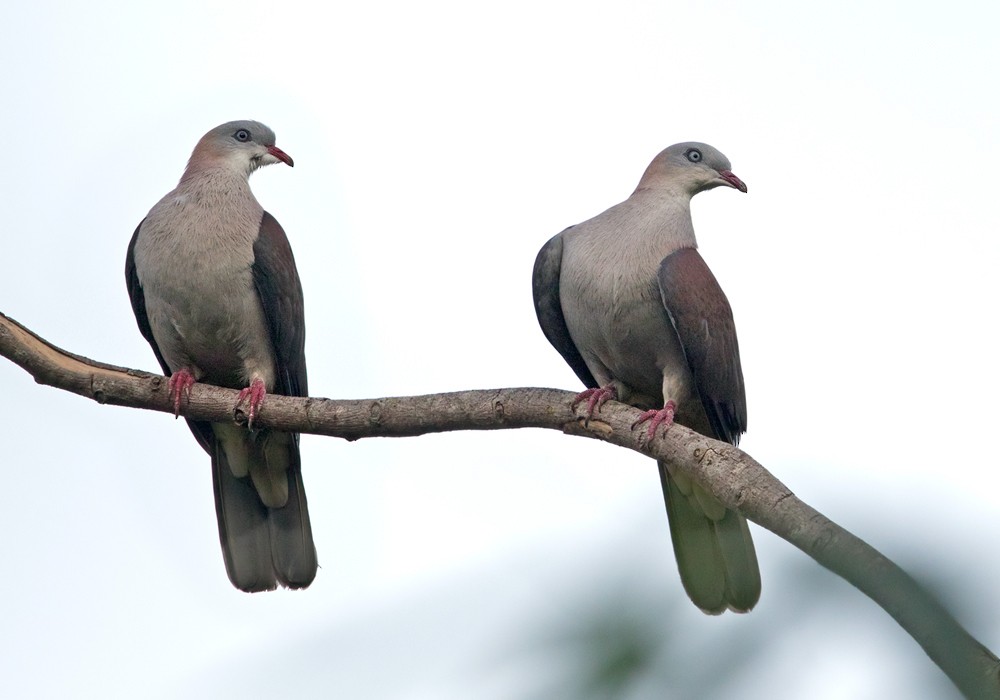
x=691, y=167
x=242, y=146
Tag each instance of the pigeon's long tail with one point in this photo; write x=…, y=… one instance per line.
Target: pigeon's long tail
x=715, y=553
x=293, y=553
x=263, y=546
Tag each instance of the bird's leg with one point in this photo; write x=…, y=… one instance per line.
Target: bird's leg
x=180, y=385
x=664, y=416
x=254, y=395
x=595, y=398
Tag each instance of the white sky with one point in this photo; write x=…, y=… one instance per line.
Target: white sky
x=438, y=145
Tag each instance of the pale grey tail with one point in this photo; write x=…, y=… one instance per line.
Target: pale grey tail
x=263, y=547
x=715, y=553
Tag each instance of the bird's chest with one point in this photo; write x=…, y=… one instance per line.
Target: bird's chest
x=621, y=305
x=615, y=314
x=203, y=309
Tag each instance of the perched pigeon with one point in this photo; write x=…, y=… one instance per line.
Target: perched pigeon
x=630, y=304
x=216, y=293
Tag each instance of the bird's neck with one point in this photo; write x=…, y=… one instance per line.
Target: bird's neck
x=209, y=195
x=664, y=220
x=216, y=182
x=215, y=168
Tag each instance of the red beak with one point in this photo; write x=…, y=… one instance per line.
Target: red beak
x=733, y=181
x=285, y=158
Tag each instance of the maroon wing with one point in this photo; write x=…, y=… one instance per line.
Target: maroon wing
x=280, y=292
x=703, y=319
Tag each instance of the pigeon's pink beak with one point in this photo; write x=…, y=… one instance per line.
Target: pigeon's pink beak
x=733, y=181
x=285, y=158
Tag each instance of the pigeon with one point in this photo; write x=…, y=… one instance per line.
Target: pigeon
x=215, y=291
x=630, y=304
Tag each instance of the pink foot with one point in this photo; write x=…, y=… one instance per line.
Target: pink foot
x=180, y=385
x=595, y=398
x=254, y=394
x=665, y=417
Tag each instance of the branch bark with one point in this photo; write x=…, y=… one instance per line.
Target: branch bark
x=732, y=475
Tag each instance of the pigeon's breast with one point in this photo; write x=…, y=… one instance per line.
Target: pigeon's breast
x=615, y=316
x=195, y=268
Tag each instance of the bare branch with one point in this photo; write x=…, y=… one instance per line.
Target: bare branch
x=732, y=475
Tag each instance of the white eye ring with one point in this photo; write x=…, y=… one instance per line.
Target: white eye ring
x=693, y=155
x=242, y=135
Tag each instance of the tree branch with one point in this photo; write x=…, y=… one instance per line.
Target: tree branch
x=732, y=475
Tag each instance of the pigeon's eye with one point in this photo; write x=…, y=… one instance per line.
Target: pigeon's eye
x=693, y=155
x=242, y=135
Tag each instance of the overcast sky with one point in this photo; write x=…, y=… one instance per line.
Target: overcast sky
x=438, y=145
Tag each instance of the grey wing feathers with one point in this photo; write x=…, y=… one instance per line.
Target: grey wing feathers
x=548, y=307
x=138, y=299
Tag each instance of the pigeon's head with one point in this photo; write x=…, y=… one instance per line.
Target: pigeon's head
x=692, y=167
x=242, y=146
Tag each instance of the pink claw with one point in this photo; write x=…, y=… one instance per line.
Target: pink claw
x=595, y=398
x=180, y=385
x=665, y=417
x=255, y=393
